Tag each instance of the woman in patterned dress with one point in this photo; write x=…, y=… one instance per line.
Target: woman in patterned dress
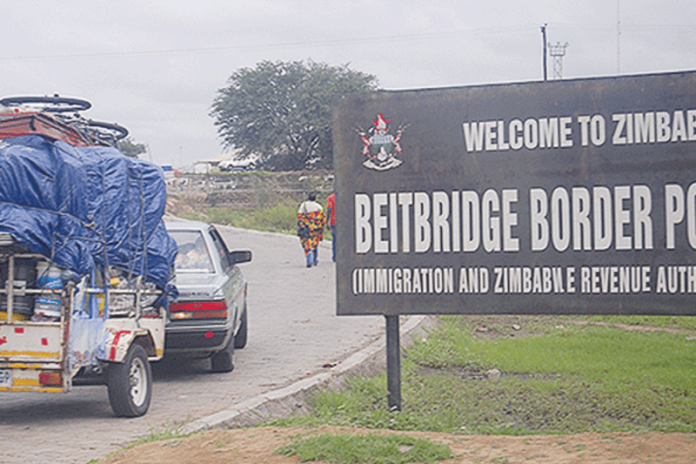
x=310, y=228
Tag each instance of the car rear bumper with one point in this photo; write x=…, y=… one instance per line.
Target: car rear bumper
x=196, y=340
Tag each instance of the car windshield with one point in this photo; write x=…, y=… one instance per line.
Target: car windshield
x=193, y=254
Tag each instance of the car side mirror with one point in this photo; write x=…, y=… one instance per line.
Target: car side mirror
x=239, y=256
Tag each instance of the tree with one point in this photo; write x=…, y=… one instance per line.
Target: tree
x=281, y=111
x=130, y=147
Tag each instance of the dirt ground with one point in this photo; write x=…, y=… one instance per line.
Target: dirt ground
x=257, y=446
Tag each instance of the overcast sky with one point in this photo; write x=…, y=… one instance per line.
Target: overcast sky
x=156, y=66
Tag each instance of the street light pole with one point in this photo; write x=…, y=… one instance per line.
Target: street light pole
x=543, y=38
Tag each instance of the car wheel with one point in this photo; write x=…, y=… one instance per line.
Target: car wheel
x=130, y=383
x=222, y=360
x=240, y=338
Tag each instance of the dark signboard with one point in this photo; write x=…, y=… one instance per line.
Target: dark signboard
x=564, y=197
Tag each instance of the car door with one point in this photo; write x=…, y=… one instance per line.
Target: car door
x=233, y=287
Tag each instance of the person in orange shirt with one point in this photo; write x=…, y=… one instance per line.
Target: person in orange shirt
x=331, y=213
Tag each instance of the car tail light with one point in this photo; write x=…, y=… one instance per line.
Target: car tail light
x=199, y=310
x=50, y=378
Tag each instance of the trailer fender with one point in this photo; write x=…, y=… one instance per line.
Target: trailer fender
x=120, y=340
x=117, y=343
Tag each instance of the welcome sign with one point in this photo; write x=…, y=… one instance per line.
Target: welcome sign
x=563, y=197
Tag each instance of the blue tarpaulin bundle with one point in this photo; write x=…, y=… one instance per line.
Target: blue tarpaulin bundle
x=85, y=207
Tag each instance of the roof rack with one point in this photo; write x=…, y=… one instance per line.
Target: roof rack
x=58, y=118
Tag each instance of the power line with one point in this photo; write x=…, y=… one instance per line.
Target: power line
x=477, y=32
x=301, y=44
x=611, y=27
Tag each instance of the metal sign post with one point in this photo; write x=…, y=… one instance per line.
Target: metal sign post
x=393, y=363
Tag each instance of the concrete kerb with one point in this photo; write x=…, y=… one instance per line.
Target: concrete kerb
x=290, y=400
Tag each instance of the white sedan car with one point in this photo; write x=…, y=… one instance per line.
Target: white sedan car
x=209, y=317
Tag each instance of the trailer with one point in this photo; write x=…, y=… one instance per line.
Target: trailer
x=85, y=261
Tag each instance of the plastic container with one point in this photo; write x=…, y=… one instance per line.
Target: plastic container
x=48, y=304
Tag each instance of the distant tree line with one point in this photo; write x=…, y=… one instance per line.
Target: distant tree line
x=281, y=111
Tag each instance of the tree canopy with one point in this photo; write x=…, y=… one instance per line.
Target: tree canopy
x=131, y=148
x=281, y=111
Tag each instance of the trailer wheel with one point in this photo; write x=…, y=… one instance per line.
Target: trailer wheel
x=130, y=383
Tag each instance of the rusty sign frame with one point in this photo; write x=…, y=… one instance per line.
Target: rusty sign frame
x=563, y=197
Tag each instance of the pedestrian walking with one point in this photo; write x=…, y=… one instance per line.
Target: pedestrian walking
x=310, y=228
x=331, y=213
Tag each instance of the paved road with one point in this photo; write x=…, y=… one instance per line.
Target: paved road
x=293, y=331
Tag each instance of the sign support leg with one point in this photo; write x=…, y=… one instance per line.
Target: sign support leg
x=393, y=363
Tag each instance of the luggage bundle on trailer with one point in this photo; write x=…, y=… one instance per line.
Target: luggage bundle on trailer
x=85, y=260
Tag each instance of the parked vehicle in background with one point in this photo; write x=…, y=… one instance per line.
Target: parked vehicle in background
x=85, y=260
x=238, y=165
x=209, y=317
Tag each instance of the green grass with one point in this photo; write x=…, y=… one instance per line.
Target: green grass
x=594, y=353
x=280, y=218
x=371, y=448
x=570, y=379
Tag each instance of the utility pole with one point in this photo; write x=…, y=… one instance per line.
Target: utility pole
x=543, y=41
